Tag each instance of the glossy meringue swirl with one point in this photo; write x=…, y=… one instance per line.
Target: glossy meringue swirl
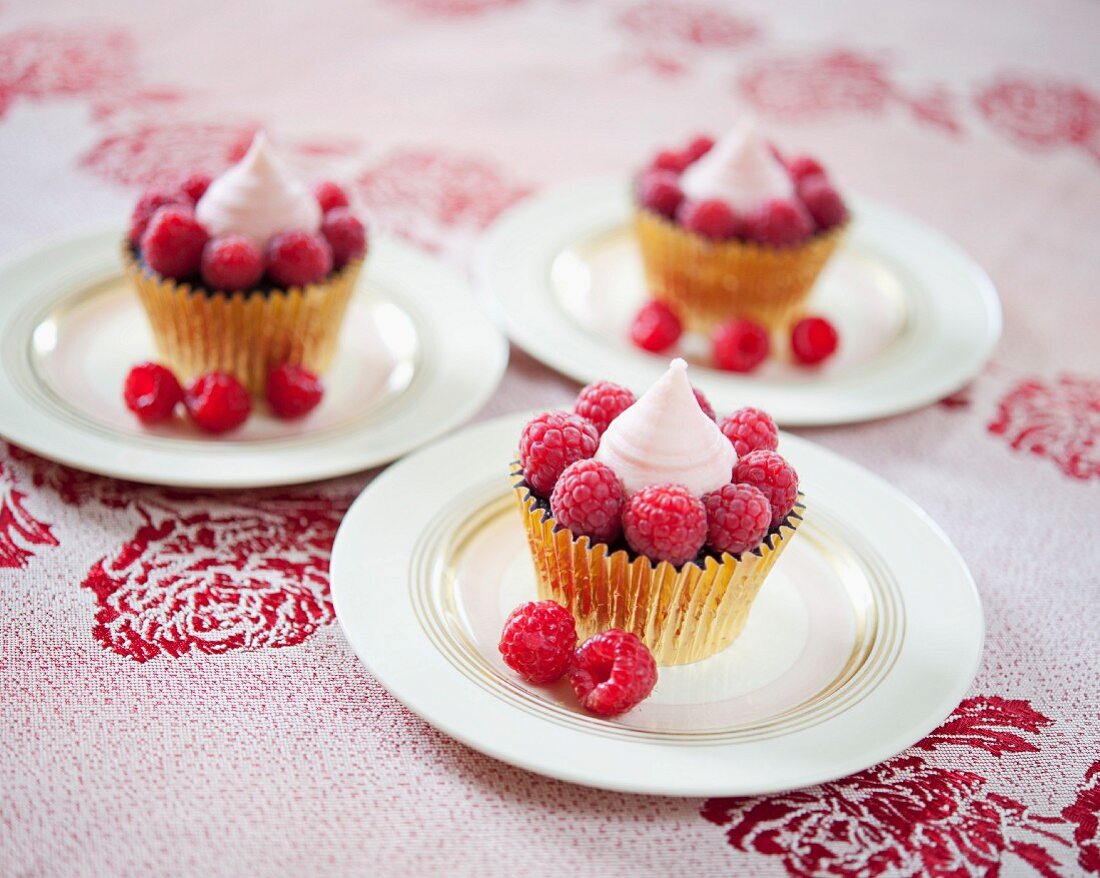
x=665, y=438
x=740, y=169
x=258, y=197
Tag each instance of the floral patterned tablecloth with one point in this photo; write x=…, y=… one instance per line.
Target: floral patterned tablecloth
x=175, y=698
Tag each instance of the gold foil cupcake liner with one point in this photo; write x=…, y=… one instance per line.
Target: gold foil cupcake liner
x=706, y=282
x=243, y=333
x=682, y=615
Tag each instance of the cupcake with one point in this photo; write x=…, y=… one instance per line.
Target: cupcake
x=648, y=516
x=728, y=230
x=245, y=273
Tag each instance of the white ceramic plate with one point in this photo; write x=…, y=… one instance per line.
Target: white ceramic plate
x=417, y=358
x=864, y=637
x=917, y=317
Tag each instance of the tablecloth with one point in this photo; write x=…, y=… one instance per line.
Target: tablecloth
x=177, y=699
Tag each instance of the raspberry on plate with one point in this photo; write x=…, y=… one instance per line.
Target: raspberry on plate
x=803, y=166
x=656, y=327
x=704, y=403
x=330, y=195
x=152, y=392
x=293, y=391
x=813, y=340
x=670, y=160
x=588, y=500
x=538, y=641
x=665, y=523
x=613, y=672
x=780, y=223
x=550, y=443
x=602, y=402
x=345, y=235
x=712, y=218
x=231, y=262
x=750, y=429
x=217, y=402
x=173, y=242
x=738, y=517
x=296, y=258
x=194, y=187
x=149, y=203
x=659, y=191
x=740, y=345
x=774, y=476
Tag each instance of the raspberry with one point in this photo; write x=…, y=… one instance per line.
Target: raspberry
x=712, y=219
x=612, y=672
x=588, y=499
x=231, y=262
x=550, y=443
x=704, y=404
x=151, y=392
x=740, y=345
x=750, y=429
x=329, y=195
x=296, y=258
x=173, y=242
x=217, y=402
x=780, y=223
x=602, y=402
x=656, y=327
x=670, y=160
x=803, y=166
x=699, y=147
x=345, y=235
x=194, y=187
x=822, y=201
x=147, y=205
x=813, y=340
x=738, y=517
x=659, y=191
x=665, y=523
x=775, y=478
x=293, y=391
x=538, y=641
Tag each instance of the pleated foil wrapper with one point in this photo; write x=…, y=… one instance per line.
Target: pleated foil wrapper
x=243, y=333
x=683, y=615
x=707, y=282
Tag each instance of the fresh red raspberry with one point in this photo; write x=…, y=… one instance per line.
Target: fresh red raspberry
x=699, y=147
x=822, y=201
x=803, y=166
x=602, y=402
x=194, y=187
x=296, y=258
x=780, y=223
x=712, y=219
x=659, y=191
x=329, y=195
x=345, y=235
x=293, y=391
x=217, y=402
x=612, y=672
x=173, y=242
x=656, y=327
x=231, y=262
x=738, y=517
x=538, y=641
x=588, y=499
x=149, y=203
x=704, y=403
x=813, y=340
x=670, y=160
x=775, y=478
x=665, y=523
x=550, y=443
x=750, y=429
x=152, y=392
x=740, y=345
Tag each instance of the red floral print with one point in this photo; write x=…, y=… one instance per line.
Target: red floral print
x=813, y=87
x=216, y=582
x=1042, y=113
x=20, y=531
x=454, y=8
x=988, y=723
x=75, y=487
x=1084, y=813
x=698, y=24
x=1059, y=420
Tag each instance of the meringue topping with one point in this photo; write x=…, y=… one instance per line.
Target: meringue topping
x=740, y=169
x=258, y=197
x=665, y=438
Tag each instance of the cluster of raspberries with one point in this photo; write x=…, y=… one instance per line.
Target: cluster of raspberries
x=661, y=522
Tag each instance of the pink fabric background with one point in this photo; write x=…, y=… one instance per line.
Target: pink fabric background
x=137, y=738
